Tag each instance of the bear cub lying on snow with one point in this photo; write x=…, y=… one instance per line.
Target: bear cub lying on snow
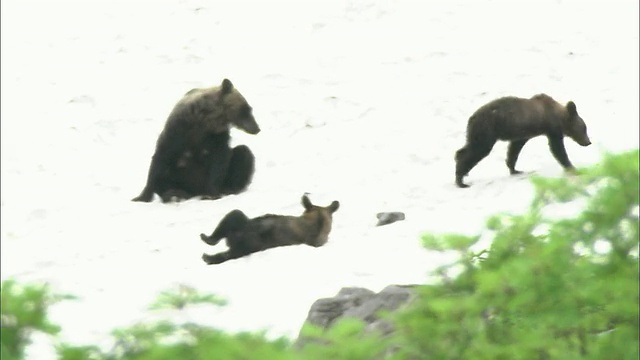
x=193, y=156
x=518, y=120
x=245, y=236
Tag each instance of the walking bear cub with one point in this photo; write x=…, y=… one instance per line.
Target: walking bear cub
x=192, y=155
x=517, y=120
x=245, y=236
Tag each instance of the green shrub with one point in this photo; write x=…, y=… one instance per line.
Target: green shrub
x=24, y=311
x=549, y=286
x=168, y=340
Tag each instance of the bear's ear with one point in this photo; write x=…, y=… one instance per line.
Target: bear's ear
x=571, y=107
x=227, y=86
x=306, y=202
x=334, y=206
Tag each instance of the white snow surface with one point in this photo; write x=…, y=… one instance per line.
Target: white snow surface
x=364, y=102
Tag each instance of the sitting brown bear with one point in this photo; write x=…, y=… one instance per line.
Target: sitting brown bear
x=245, y=236
x=517, y=120
x=193, y=157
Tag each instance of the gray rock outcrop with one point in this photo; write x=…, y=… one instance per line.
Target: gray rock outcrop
x=359, y=303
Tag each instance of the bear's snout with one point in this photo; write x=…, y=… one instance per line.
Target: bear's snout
x=251, y=128
x=582, y=140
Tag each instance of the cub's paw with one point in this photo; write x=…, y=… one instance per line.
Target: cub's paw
x=212, y=259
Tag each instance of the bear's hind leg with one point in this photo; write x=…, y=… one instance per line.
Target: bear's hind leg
x=145, y=196
x=240, y=171
x=468, y=157
x=233, y=221
x=461, y=166
x=512, y=155
x=221, y=257
x=218, y=258
x=155, y=180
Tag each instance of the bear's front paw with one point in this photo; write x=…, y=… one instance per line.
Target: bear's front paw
x=571, y=171
x=174, y=195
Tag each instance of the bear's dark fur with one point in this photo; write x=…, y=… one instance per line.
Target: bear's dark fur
x=245, y=236
x=192, y=156
x=517, y=120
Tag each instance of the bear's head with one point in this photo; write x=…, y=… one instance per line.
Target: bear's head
x=321, y=217
x=236, y=109
x=575, y=127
